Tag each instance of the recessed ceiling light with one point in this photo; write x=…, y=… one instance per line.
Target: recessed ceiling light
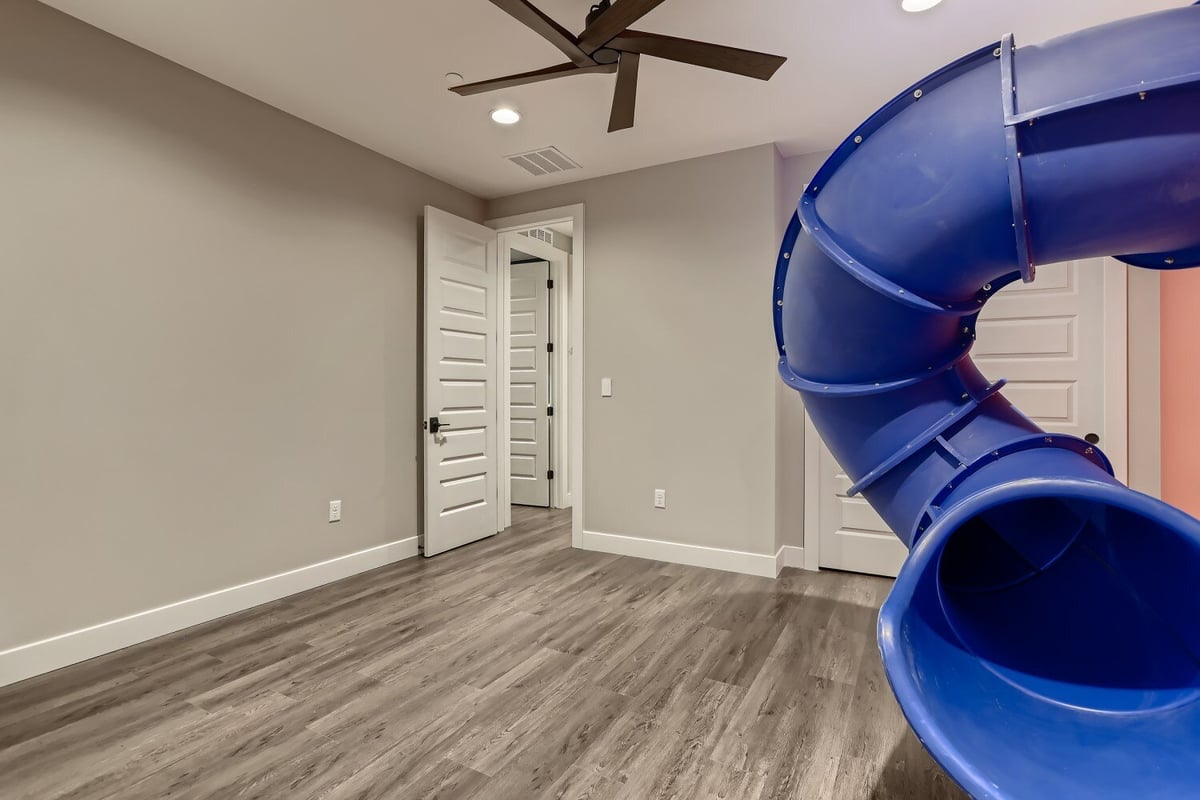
x=918, y=5
x=506, y=116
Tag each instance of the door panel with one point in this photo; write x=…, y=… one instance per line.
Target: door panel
x=1047, y=339
x=529, y=372
x=461, y=380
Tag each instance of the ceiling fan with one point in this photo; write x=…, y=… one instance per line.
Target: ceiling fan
x=607, y=45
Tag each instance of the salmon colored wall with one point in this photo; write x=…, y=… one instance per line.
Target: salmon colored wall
x=1181, y=389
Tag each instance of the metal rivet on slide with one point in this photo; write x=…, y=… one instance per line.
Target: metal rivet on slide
x=917, y=94
x=996, y=52
x=779, y=303
x=987, y=287
x=1090, y=451
x=1170, y=261
x=1049, y=440
x=858, y=140
x=787, y=255
x=1141, y=95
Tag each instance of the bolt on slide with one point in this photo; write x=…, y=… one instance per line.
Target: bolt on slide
x=1043, y=637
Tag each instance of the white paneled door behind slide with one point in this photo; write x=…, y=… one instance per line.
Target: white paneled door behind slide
x=529, y=369
x=1047, y=338
x=461, y=382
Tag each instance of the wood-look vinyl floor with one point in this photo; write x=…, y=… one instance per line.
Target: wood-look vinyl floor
x=513, y=668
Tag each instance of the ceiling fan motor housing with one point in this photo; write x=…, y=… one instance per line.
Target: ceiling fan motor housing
x=597, y=10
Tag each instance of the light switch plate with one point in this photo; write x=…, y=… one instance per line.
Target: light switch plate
x=606, y=387
x=660, y=498
x=335, y=510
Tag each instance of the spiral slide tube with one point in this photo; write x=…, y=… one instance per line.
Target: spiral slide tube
x=1043, y=637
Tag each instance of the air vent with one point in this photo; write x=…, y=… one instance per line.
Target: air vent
x=546, y=161
x=541, y=234
x=552, y=238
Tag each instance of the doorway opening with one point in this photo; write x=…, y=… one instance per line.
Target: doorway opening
x=541, y=257
x=502, y=373
x=534, y=259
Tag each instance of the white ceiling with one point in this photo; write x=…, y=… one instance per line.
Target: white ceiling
x=373, y=71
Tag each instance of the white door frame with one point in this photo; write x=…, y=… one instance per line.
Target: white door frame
x=568, y=361
x=1116, y=407
x=559, y=316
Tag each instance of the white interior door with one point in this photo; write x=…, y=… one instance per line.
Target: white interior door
x=529, y=388
x=1048, y=339
x=461, y=382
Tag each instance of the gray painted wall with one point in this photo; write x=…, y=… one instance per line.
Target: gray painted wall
x=208, y=329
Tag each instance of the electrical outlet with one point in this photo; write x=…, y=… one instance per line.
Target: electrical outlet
x=660, y=498
x=335, y=510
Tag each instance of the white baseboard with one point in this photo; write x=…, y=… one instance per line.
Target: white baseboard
x=790, y=556
x=692, y=555
x=50, y=654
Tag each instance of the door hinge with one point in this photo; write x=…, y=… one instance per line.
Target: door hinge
x=550, y=474
x=550, y=283
x=550, y=347
x=550, y=411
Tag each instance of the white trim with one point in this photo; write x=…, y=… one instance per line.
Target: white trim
x=503, y=390
x=574, y=214
x=26, y=661
x=692, y=555
x=558, y=261
x=1145, y=382
x=561, y=335
x=812, y=495
x=504, y=378
x=789, y=556
x=1115, y=441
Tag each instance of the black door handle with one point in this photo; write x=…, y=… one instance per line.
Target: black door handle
x=435, y=426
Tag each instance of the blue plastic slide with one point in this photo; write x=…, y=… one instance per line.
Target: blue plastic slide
x=1043, y=637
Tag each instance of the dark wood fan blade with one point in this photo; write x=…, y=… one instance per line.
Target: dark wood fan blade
x=625, y=97
x=549, y=73
x=620, y=16
x=701, y=54
x=547, y=28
